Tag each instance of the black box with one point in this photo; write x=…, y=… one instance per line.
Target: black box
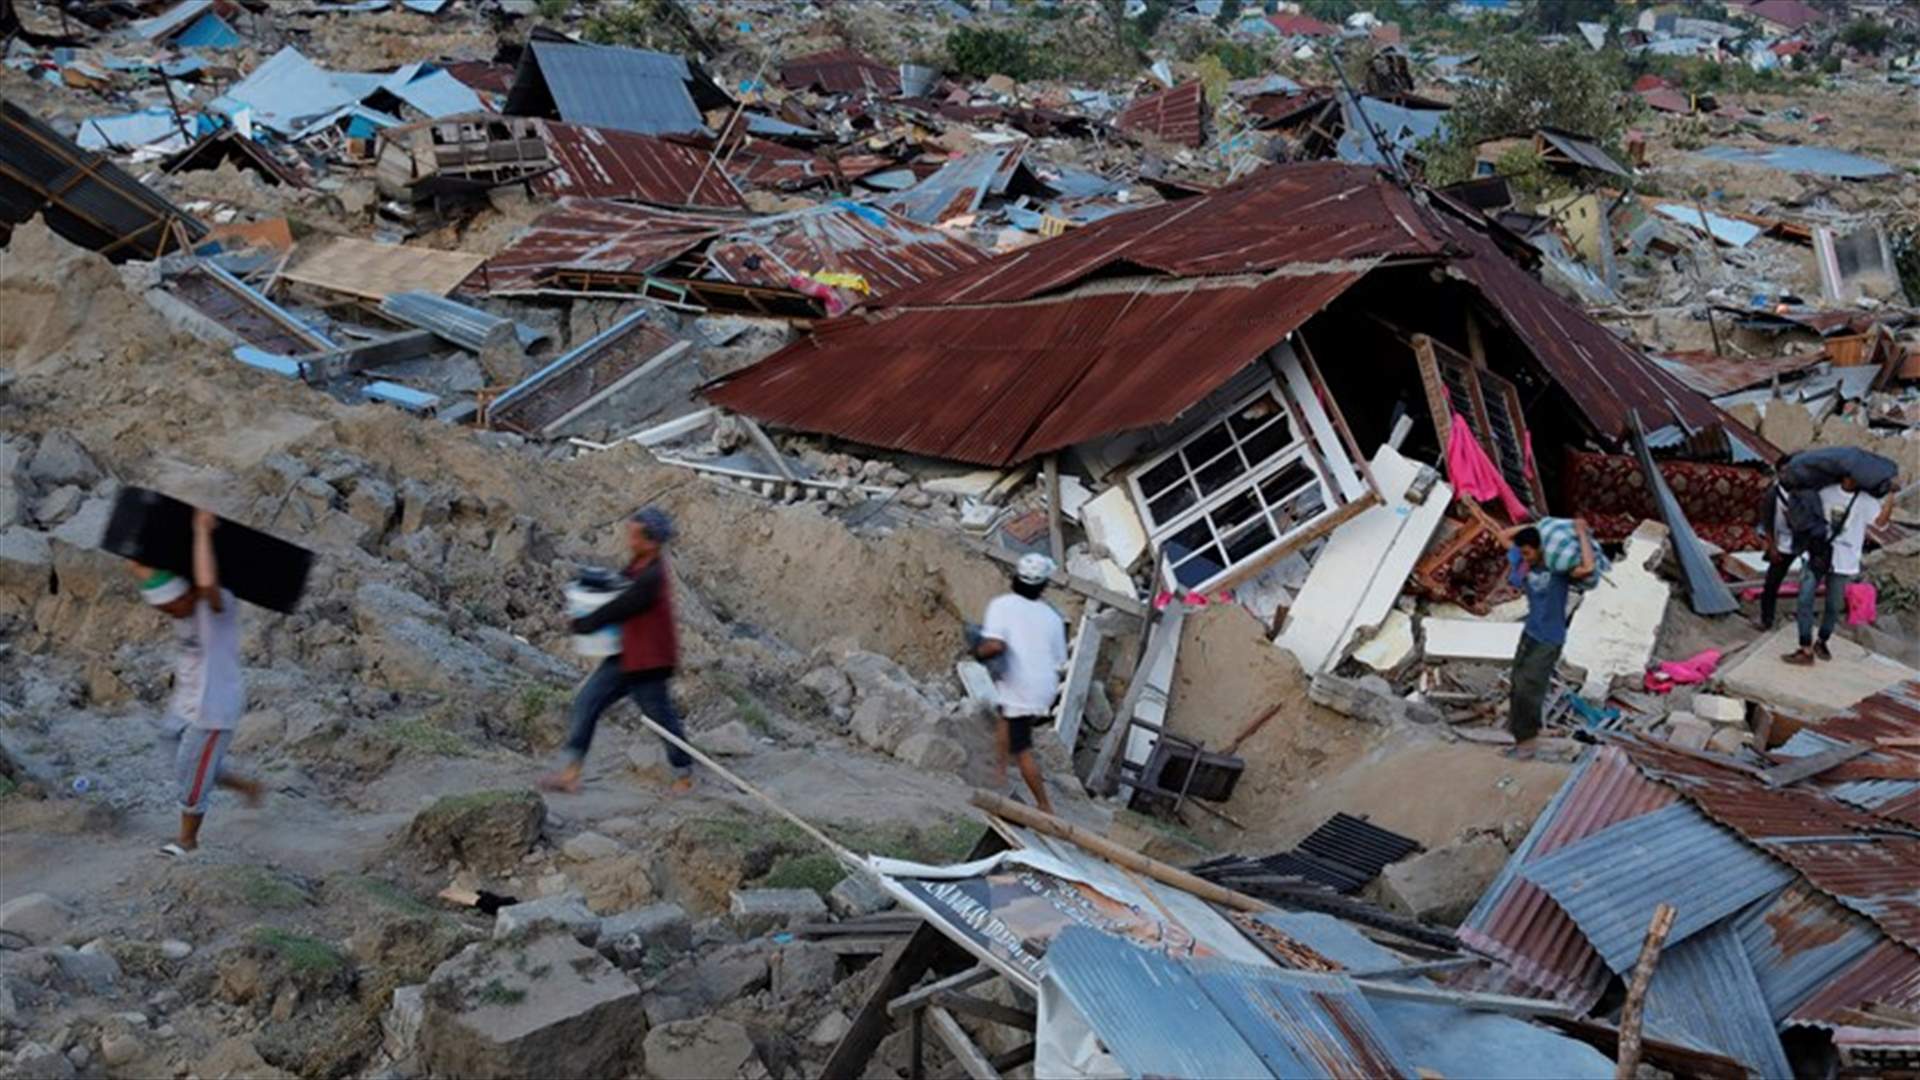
x=157, y=530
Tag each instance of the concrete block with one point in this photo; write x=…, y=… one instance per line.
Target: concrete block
x=663, y=927
x=757, y=911
x=489, y=1014
x=1470, y=639
x=1390, y=645
x=931, y=751
x=1729, y=739
x=1613, y=633
x=1112, y=523
x=857, y=895
x=803, y=969
x=1442, y=885
x=1719, y=709
x=568, y=912
x=37, y=917
x=588, y=846
x=702, y=1049
x=1688, y=730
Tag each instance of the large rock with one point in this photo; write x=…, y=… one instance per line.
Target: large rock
x=588, y=846
x=857, y=895
x=731, y=739
x=566, y=912
x=62, y=460
x=26, y=565
x=486, y=830
x=889, y=707
x=551, y=1007
x=15, y=493
x=37, y=917
x=803, y=969
x=407, y=645
x=38, y=1061
x=931, y=751
x=726, y=974
x=1788, y=426
x=1441, y=886
x=656, y=928
x=710, y=1048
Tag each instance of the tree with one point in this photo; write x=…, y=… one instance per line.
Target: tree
x=1229, y=14
x=1866, y=35
x=986, y=51
x=1523, y=87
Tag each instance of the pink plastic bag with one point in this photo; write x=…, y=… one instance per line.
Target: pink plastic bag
x=1863, y=603
x=1667, y=674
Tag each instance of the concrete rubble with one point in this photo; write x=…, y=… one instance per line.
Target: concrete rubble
x=1263, y=325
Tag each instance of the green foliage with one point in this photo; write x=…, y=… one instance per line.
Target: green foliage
x=819, y=872
x=258, y=887
x=299, y=952
x=985, y=51
x=1525, y=171
x=1563, y=16
x=635, y=23
x=1148, y=22
x=1830, y=64
x=7, y=787
x=1866, y=35
x=425, y=736
x=1330, y=11
x=1241, y=60
x=552, y=10
x=1523, y=87
x=1228, y=15
x=389, y=895
x=499, y=993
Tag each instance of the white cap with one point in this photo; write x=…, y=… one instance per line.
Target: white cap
x=1033, y=568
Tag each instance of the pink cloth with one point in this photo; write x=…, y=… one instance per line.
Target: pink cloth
x=1667, y=674
x=1473, y=473
x=1863, y=603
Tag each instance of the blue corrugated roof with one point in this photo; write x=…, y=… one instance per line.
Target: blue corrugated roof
x=209, y=31
x=958, y=187
x=1159, y=1017
x=1445, y=1039
x=1611, y=881
x=1726, y=230
x=170, y=21
x=1401, y=127
x=285, y=93
x=1798, y=939
x=1807, y=159
x=438, y=94
x=130, y=130
x=629, y=89
x=1862, y=793
x=1704, y=992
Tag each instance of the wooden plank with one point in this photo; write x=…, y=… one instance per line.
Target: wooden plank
x=1165, y=634
x=898, y=970
x=372, y=270
x=915, y=999
x=961, y=1002
x=1080, y=664
x=335, y=363
x=1438, y=404
x=1056, y=537
x=860, y=946
x=1331, y=406
x=1812, y=765
x=1039, y=821
x=948, y=1031
x=1628, y=1063
x=1013, y=1059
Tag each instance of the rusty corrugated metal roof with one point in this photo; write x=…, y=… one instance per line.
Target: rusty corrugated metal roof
x=1315, y=212
x=1177, y=116
x=998, y=384
x=1716, y=375
x=606, y=163
x=1851, y=855
x=1517, y=923
x=1888, y=973
x=595, y=234
x=840, y=71
x=590, y=234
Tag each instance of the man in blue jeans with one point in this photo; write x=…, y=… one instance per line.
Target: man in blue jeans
x=1545, y=633
x=649, y=651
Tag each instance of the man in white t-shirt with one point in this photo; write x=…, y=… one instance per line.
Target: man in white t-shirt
x=1849, y=511
x=209, y=693
x=1029, y=640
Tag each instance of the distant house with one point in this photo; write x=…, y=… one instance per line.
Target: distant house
x=1782, y=16
x=1302, y=26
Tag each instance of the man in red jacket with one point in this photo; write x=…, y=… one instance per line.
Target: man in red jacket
x=649, y=651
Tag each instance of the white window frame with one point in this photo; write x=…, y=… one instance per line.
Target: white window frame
x=1299, y=450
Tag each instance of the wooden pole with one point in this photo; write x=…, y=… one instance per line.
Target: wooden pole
x=1021, y=814
x=1657, y=930
x=1056, y=542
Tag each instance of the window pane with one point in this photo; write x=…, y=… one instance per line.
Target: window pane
x=1189, y=540
x=1258, y=414
x=1301, y=507
x=1162, y=476
x=1207, y=446
x=1235, y=512
x=1172, y=502
x=1278, y=487
x=1269, y=442
x=1198, y=569
x=1221, y=473
x=1249, y=542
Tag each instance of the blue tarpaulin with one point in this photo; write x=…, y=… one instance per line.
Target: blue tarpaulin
x=1807, y=159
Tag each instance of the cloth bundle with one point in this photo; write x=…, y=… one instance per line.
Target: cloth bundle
x=1560, y=550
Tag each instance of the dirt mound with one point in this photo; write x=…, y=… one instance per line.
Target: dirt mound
x=487, y=830
x=81, y=311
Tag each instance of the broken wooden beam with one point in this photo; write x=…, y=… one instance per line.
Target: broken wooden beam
x=916, y=999
x=948, y=1030
x=1628, y=1064
x=1802, y=768
x=961, y=1002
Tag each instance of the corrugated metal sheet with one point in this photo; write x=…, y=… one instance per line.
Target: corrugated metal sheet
x=1518, y=923
x=1796, y=940
x=1704, y=991
x=1402, y=128
x=839, y=71
x=1888, y=973
x=592, y=234
x=437, y=94
x=1726, y=230
x=888, y=251
x=1716, y=375
x=1583, y=151
x=628, y=89
x=1612, y=881
x=602, y=163
x=286, y=93
x=572, y=378
x=1177, y=116
x=171, y=21
x=958, y=187
x=86, y=198
x=245, y=311
x=209, y=31
x=1807, y=159
x=1218, y=1018
x=468, y=327
x=1844, y=852
x=1868, y=793
x=998, y=385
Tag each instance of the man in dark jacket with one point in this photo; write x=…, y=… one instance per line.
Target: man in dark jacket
x=649, y=651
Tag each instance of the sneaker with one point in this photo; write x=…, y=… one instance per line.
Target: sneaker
x=1799, y=658
x=1822, y=651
